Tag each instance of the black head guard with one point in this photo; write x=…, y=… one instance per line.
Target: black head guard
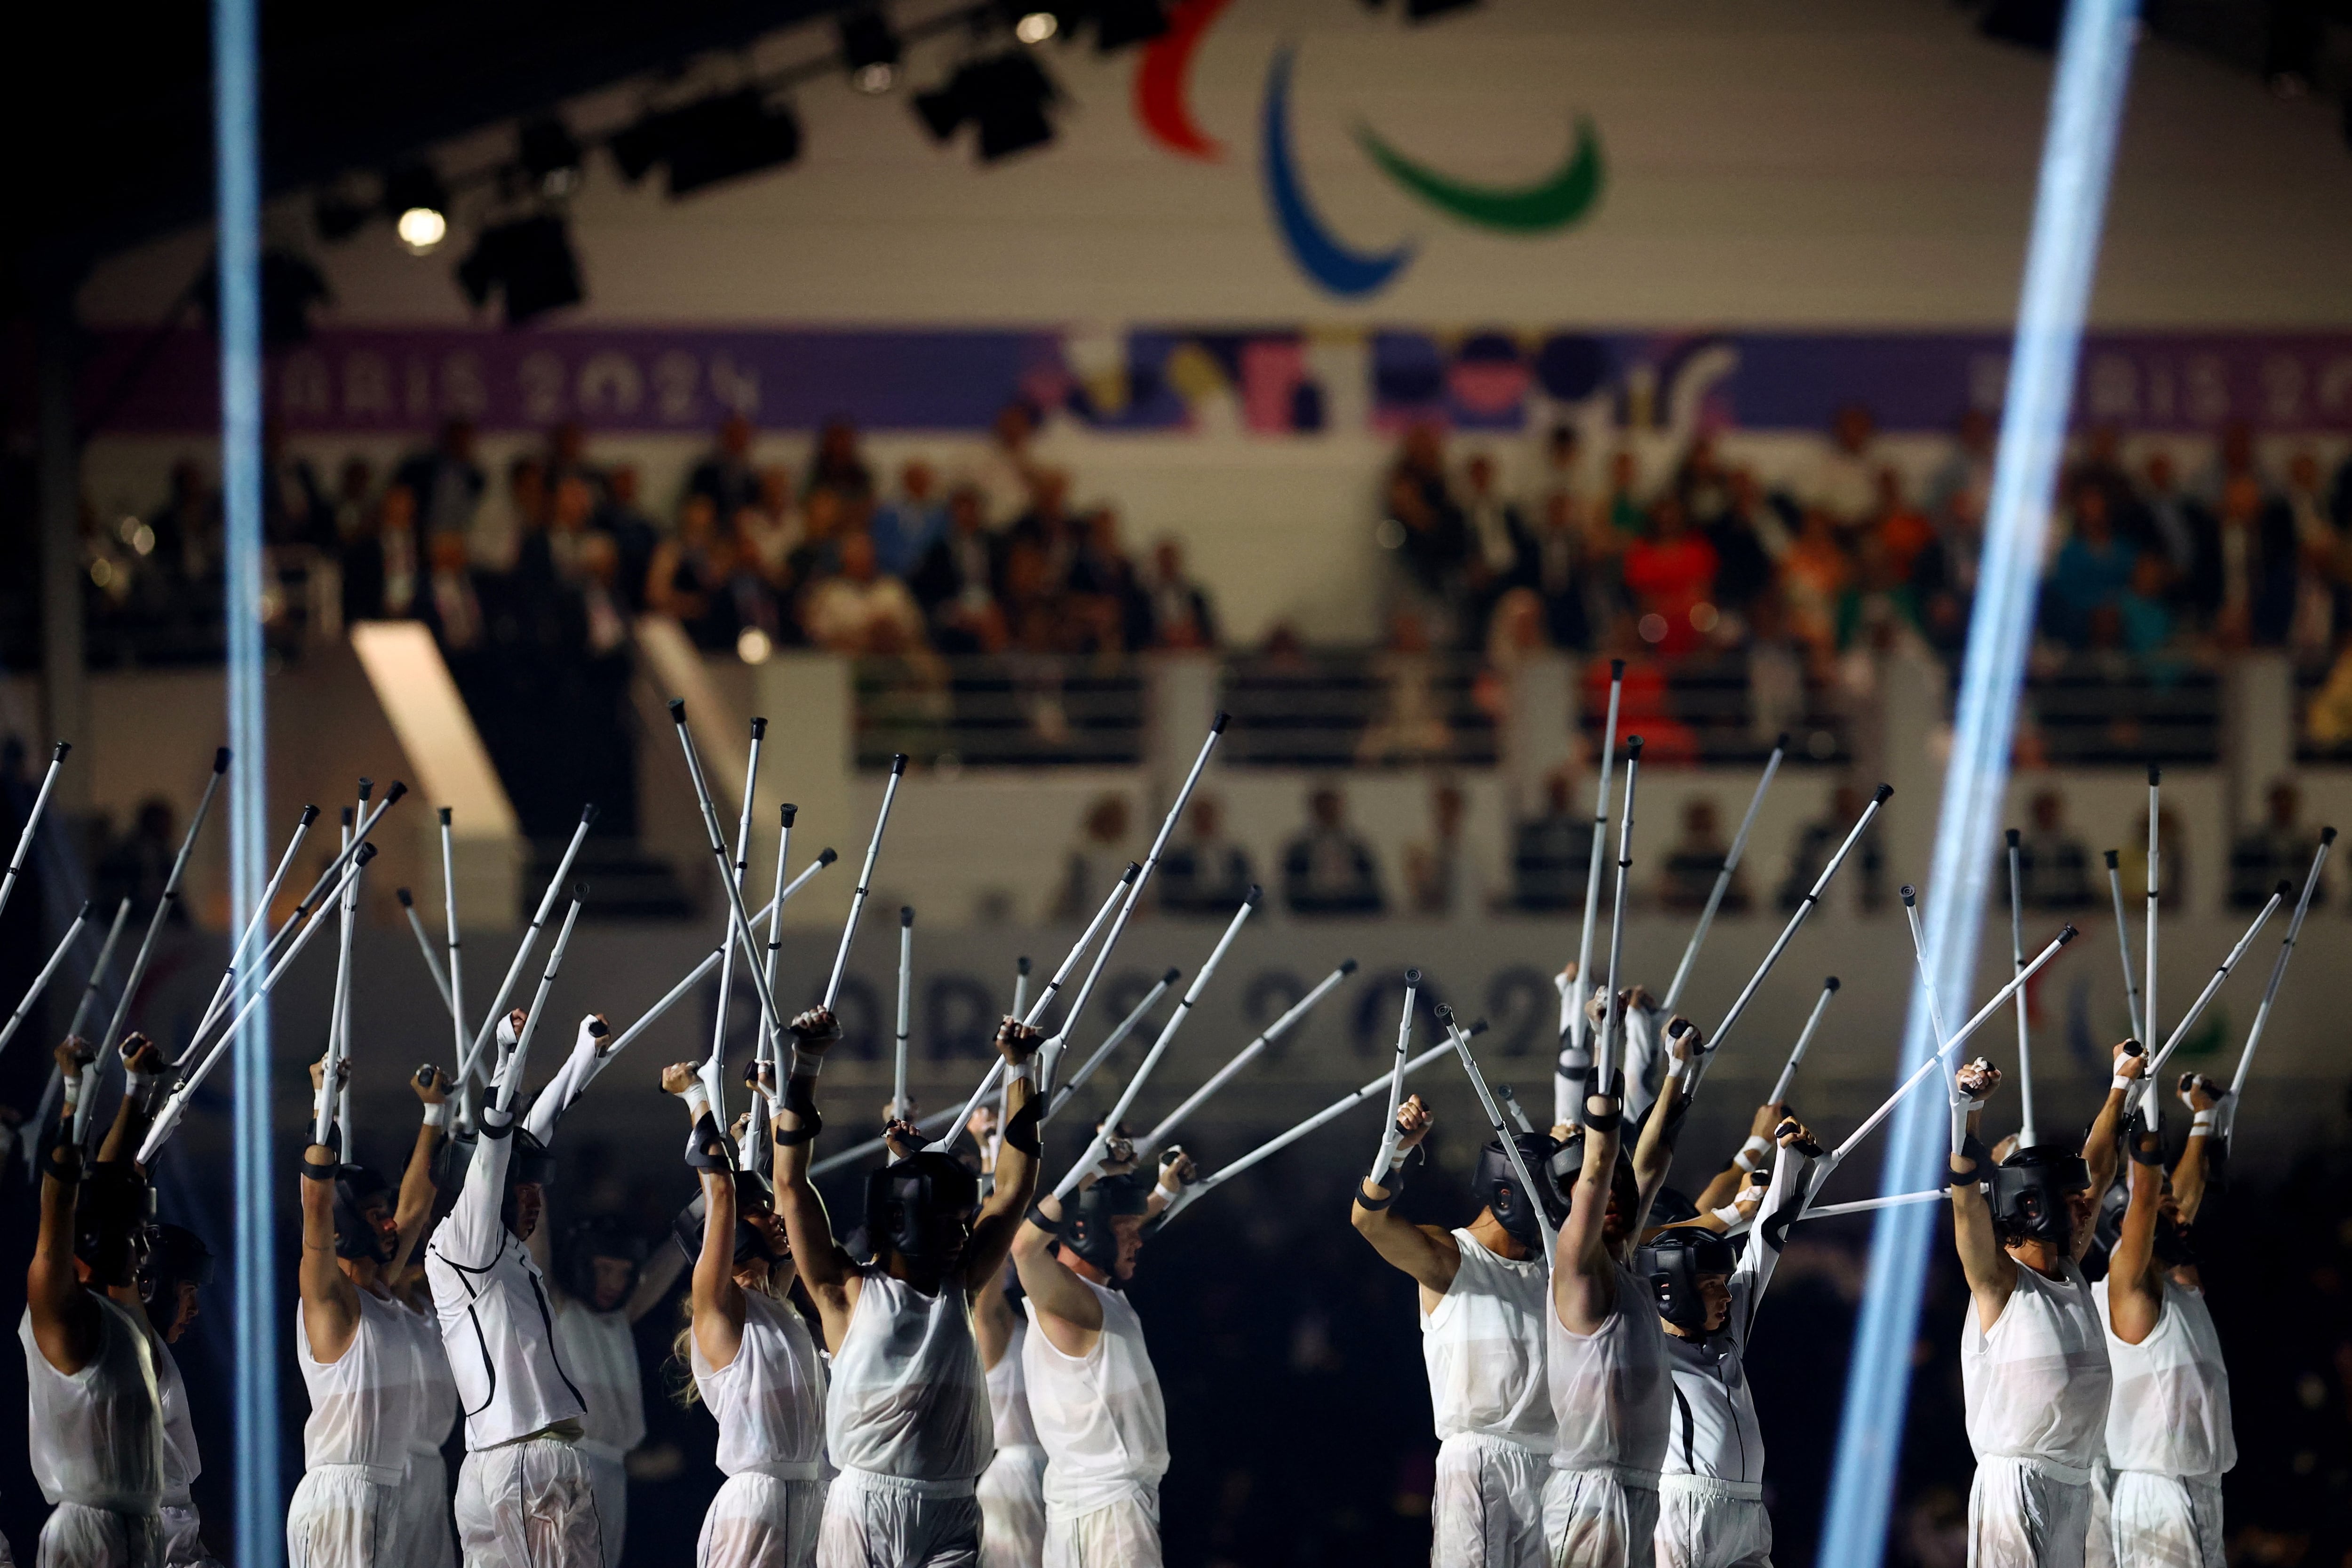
x=356, y=1187
x=1088, y=1230
x=921, y=1208
x=2029, y=1190
x=1673, y=1262
x=584, y=1242
x=752, y=1190
x=114, y=1217
x=177, y=1256
x=1496, y=1183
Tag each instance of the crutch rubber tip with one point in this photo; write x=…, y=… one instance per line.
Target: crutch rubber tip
x=1632, y=748
x=1781, y=741
x=1346, y=966
x=220, y=761
x=1444, y=1014
x=2285, y=888
x=367, y=788
x=1616, y=670
x=2111, y=860
x=905, y=914
x=1910, y=896
x=2133, y=1048
x=2013, y=837
x=786, y=812
x=1217, y=725
x=1134, y=869
x=1250, y=899
x=366, y=854
x=87, y=905
x=826, y=856
x=395, y=792
x=580, y=891
x=310, y=815
x=598, y=1028
x=1167, y=979
x=897, y=763
x=347, y=816
x=1831, y=983
x=1021, y=964
x=2328, y=836
x=1885, y=791
x=2155, y=775
x=758, y=729
x=1476, y=1029
x=678, y=711
x=2066, y=933
x=59, y=754
x=1413, y=978
x=444, y=815
x=407, y=900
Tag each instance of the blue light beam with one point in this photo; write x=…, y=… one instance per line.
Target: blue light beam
x=2077, y=158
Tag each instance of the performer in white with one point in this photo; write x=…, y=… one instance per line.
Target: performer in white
x=358, y=1355
x=425, y=1535
x=2168, y=1434
x=1484, y=1293
x=2034, y=1357
x=1711, y=1509
x=1011, y=1490
x=525, y=1499
x=1093, y=1393
x=754, y=1361
x=906, y=1421
x=96, y=1416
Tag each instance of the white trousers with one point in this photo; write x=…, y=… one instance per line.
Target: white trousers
x=426, y=1539
x=527, y=1504
x=1012, y=1494
x=341, y=1519
x=1120, y=1534
x=761, y=1521
x=2021, y=1516
x=2166, y=1521
x=1600, y=1519
x=875, y=1522
x=1487, y=1508
x=183, y=1538
x=79, y=1536
x=610, y=1478
x=1701, y=1524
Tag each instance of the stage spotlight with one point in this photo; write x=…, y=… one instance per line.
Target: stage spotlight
x=1005, y=95
x=1118, y=23
x=529, y=262
x=337, y=216
x=1422, y=10
x=418, y=204
x=870, y=49
x=550, y=156
x=1037, y=26
x=638, y=148
x=726, y=138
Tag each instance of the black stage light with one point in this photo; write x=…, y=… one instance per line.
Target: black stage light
x=529, y=262
x=1118, y=23
x=1422, y=10
x=870, y=49
x=337, y=216
x=550, y=156
x=1007, y=96
x=418, y=204
x=638, y=148
x=946, y=106
x=728, y=137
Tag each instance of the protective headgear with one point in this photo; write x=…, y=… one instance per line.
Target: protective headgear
x=921, y=1208
x=584, y=1242
x=1496, y=1183
x=1673, y=1262
x=752, y=1190
x=2029, y=1190
x=356, y=1187
x=1672, y=1206
x=531, y=1162
x=177, y=1256
x=1088, y=1230
x=114, y=1214
x=2173, y=1247
x=1567, y=1165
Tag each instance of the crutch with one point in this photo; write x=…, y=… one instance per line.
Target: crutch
x=424, y=944
x=738, y=927
x=2278, y=973
x=466, y=1106
x=2123, y=945
x=155, y=922
x=41, y=981
x=257, y=923
x=906, y=1010
x=2151, y=1106
x=1780, y=1095
x=329, y=1101
x=56, y=1087
x=865, y=878
x=1063, y=1093
x=1502, y=1134
x=785, y=815
x=1158, y=1137
x=1607, y=1057
x=2025, y=1136
x=472, y=1060
x=33, y=823
x=1723, y=879
x=714, y=1065
x=510, y=1072
x=1862, y=1205
x=1511, y=1104
x=1567, y=1097
x=2213, y=982
x=1389, y=1134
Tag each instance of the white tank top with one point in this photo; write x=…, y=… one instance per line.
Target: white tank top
x=436, y=1405
x=2169, y=1413
x=364, y=1403
x=1008, y=1392
x=98, y=1436
x=908, y=1396
x=769, y=1401
x=182, y=1463
x=1611, y=1388
x=2036, y=1386
x=1098, y=1417
x=600, y=1351
x=1484, y=1349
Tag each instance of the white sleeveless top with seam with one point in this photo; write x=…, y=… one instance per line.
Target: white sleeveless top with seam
x=181, y=1461
x=1099, y=1417
x=770, y=1400
x=600, y=1351
x=2170, y=1412
x=1611, y=1389
x=98, y=1436
x=909, y=1397
x=1484, y=1346
x=2036, y=1385
x=1008, y=1392
x=365, y=1403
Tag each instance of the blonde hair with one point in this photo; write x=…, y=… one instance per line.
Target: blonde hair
x=678, y=1370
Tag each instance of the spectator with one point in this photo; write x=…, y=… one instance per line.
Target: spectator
x=451, y=604
x=138, y=865
x=1622, y=511
x=1048, y=526
x=1670, y=573
x=860, y=610
x=2248, y=583
x=769, y=525
x=1550, y=855
x=2101, y=466
x=1327, y=869
x=1425, y=526
x=1701, y=482
x=379, y=569
x=1498, y=546
x=1964, y=482
x=598, y=600
x=2053, y=866
x=446, y=482
x=2233, y=459
x=1096, y=861
x=571, y=523
x=567, y=458
x=2093, y=571
x=1738, y=534
x=1181, y=614
x=905, y=530
x=1115, y=615
x=1904, y=532
x=837, y=465
x=634, y=536
x=1004, y=473
x=1435, y=872
x=1817, y=584
x=2320, y=554
x=1692, y=865
x=956, y=581
x=2277, y=850
x=725, y=476
x=1844, y=479
x=743, y=603
x=294, y=510
x=188, y=527
x=2171, y=523
x=1558, y=570
x=355, y=502
x=1411, y=723
x=686, y=570
x=496, y=539
x=1818, y=839
x=1563, y=488
x=1204, y=873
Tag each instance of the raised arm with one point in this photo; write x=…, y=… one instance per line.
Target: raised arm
x=2101, y=1142
x=1791, y=1168
x=1000, y=1218
x=476, y=1230
x=1065, y=1312
x=993, y=1321
x=2201, y=1095
x=1584, y=1276
x=825, y=1270
x=1724, y=1187
x=1991, y=1274
x=569, y=1080
x=64, y=1320
x=719, y=1307
x=330, y=1302
x=142, y=1082
x=414, y=1208
x=2135, y=1295
x=1430, y=1255
x=1653, y=1151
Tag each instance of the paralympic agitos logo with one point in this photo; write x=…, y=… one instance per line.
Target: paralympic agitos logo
x=1556, y=202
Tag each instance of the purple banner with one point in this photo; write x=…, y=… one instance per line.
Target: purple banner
x=686, y=379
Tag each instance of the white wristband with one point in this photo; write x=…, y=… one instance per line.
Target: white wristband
x=1170, y=1193
x=2120, y=1081
x=436, y=1116
x=2200, y=1123
x=697, y=1102
x=806, y=1064
x=1017, y=1072
x=142, y=1088
x=1751, y=1153
x=1730, y=1213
